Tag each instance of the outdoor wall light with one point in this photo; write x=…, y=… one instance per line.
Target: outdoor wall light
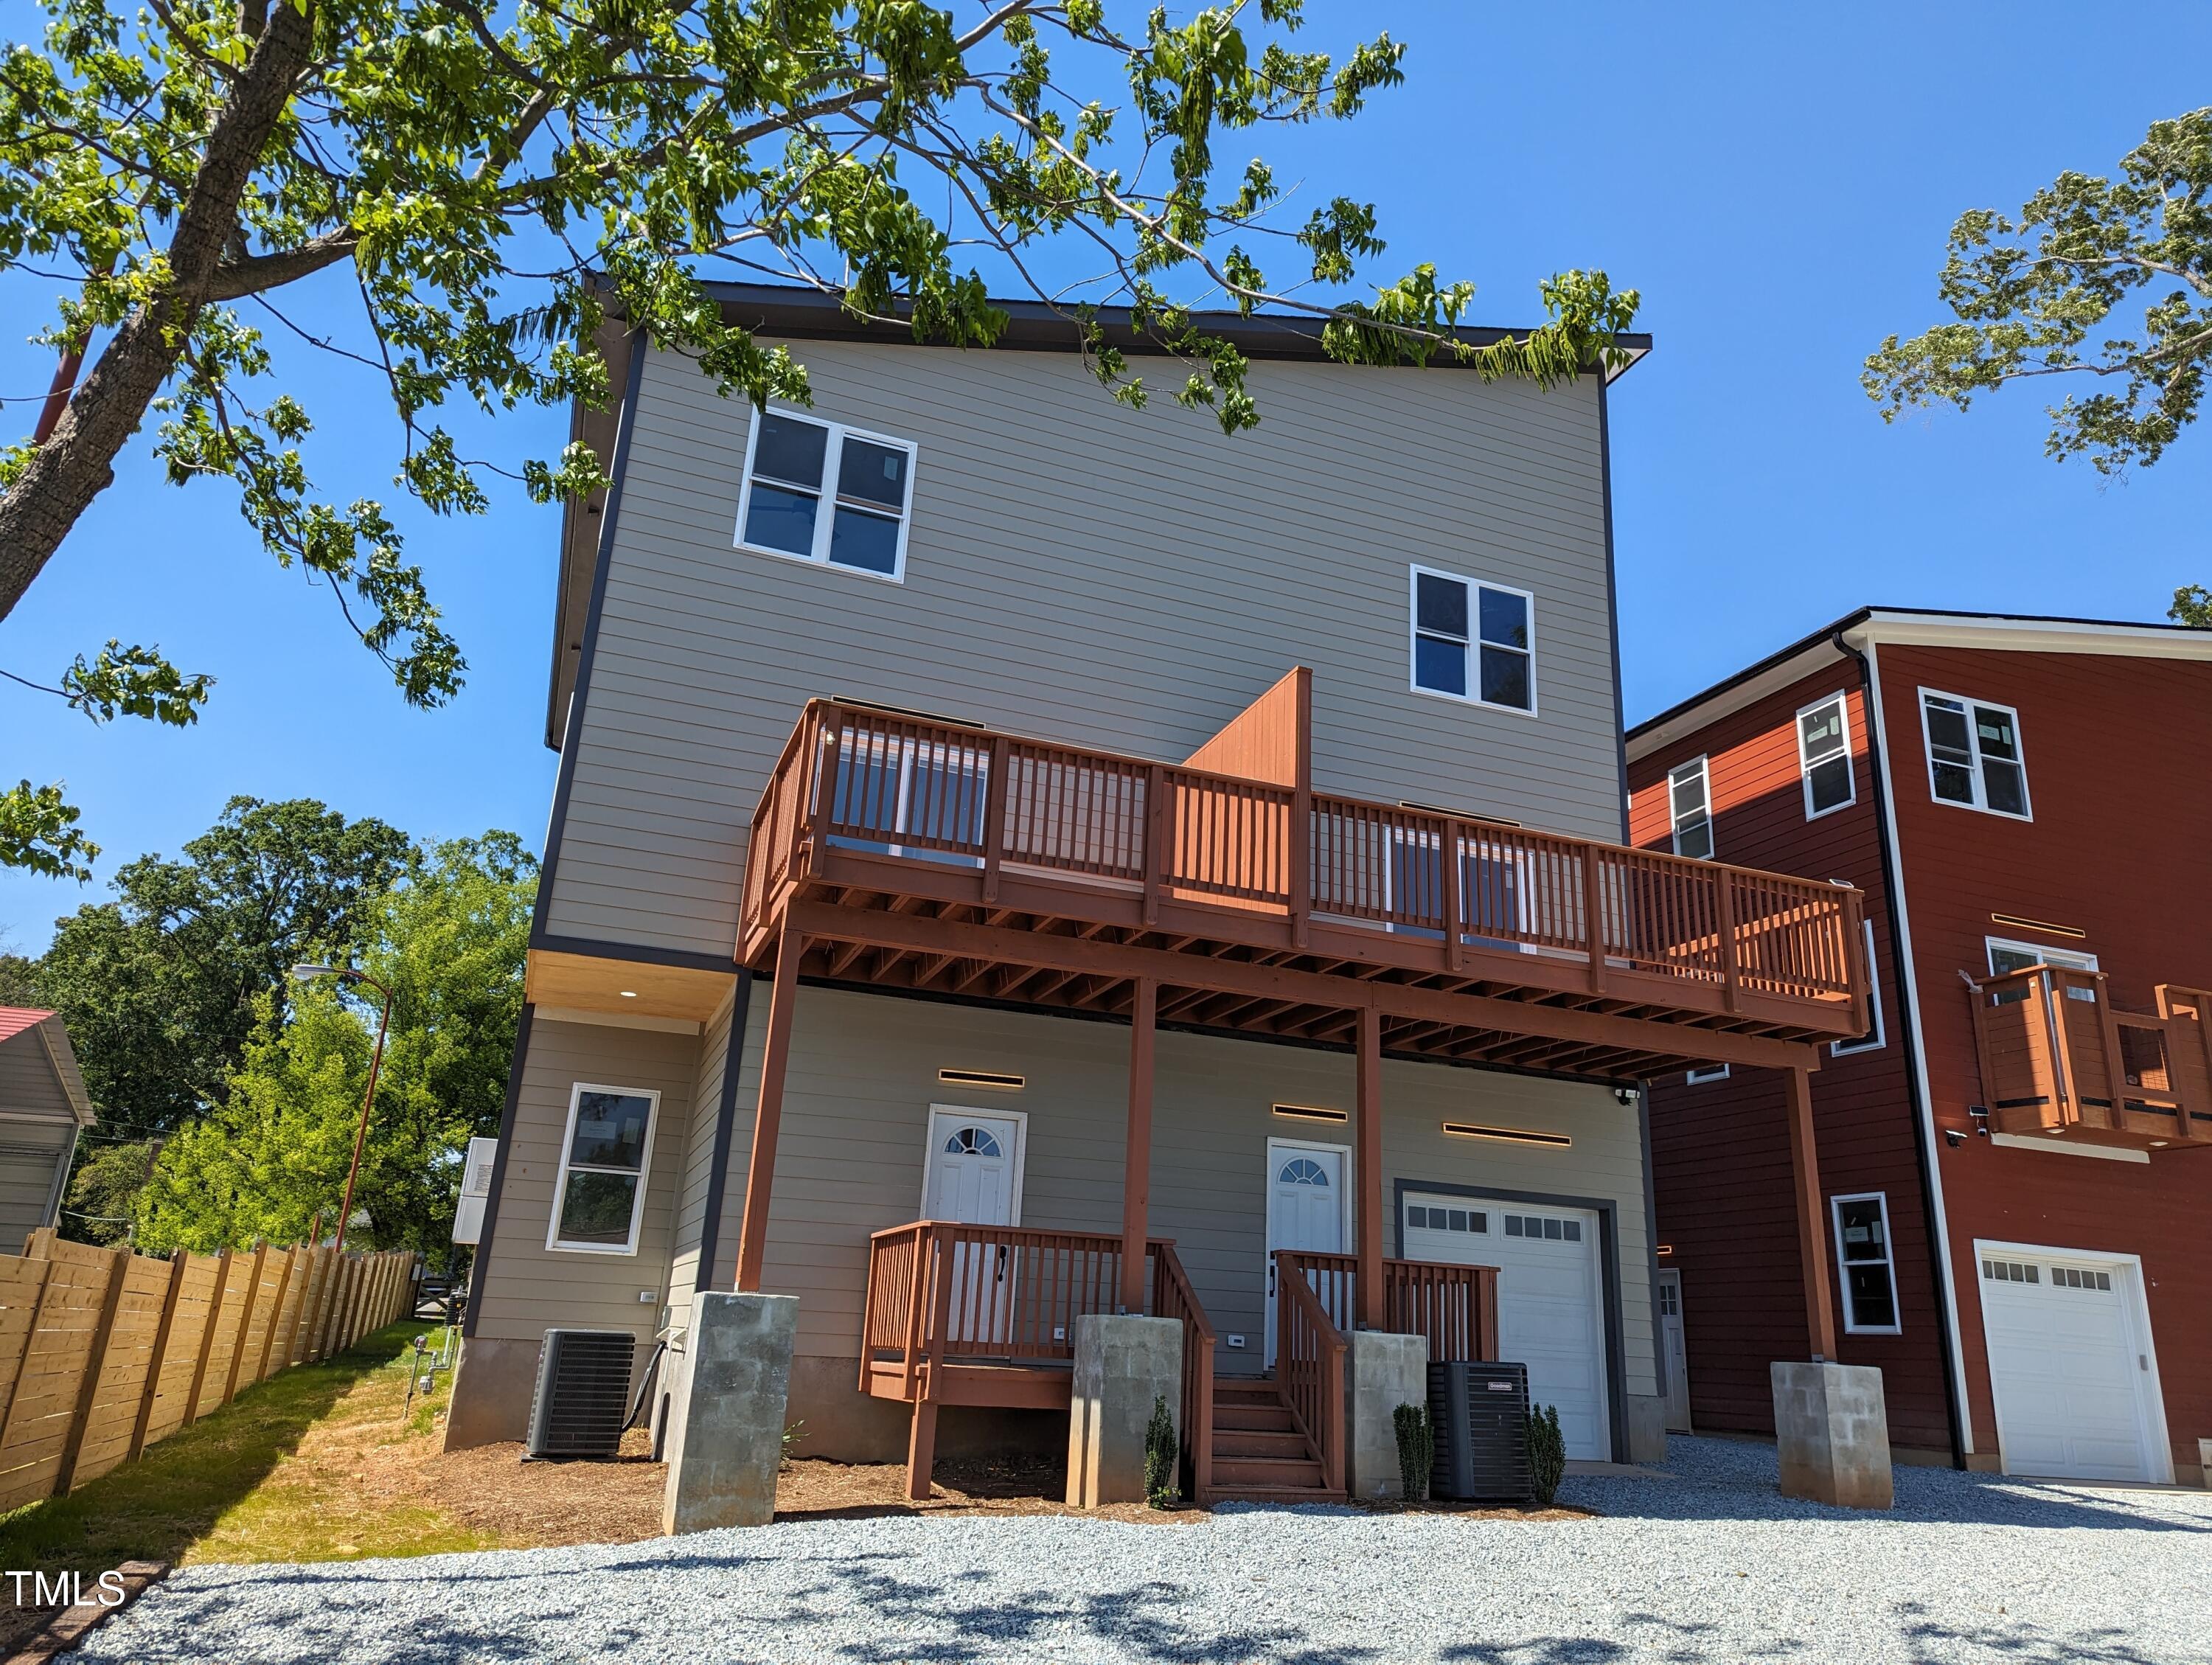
x=1512, y=1135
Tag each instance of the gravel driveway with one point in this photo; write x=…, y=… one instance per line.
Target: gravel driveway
x=1709, y=1564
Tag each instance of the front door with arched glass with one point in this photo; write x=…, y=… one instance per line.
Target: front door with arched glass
x=1309, y=1208
x=973, y=1174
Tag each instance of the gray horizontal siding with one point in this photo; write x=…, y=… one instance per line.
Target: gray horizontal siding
x=1087, y=573
x=526, y=1288
x=863, y=1075
x=28, y=1085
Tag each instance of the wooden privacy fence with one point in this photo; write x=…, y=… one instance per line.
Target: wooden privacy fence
x=103, y=1350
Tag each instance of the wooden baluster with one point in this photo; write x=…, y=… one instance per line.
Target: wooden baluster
x=1455, y=909
x=1594, y=916
x=1155, y=839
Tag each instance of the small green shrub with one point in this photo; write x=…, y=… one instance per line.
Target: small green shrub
x=1162, y=1457
x=1547, y=1453
x=792, y=1436
x=1417, y=1450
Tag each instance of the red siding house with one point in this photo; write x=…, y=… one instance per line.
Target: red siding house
x=2017, y=1157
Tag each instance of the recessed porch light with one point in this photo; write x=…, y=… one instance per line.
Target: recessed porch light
x=627, y=993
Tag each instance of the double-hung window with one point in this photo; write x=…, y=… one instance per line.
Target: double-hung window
x=607, y=1153
x=1824, y=755
x=2007, y=956
x=1474, y=641
x=1974, y=754
x=1690, y=808
x=820, y=491
x=1863, y=1253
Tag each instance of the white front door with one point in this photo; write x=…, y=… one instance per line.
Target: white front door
x=2070, y=1365
x=1551, y=1301
x=1309, y=1208
x=1677, y=1350
x=973, y=1175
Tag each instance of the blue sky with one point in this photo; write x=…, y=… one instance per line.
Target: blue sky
x=1778, y=181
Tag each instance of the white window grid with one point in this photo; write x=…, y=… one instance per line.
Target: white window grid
x=828, y=498
x=1472, y=643
x=1889, y=1263
x=1977, y=769
x=1695, y=824
x=644, y=1174
x=1699, y=1077
x=1808, y=757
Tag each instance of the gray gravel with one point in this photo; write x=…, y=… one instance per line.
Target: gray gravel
x=1709, y=1564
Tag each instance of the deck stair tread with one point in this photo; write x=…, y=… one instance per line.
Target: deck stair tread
x=1259, y=1456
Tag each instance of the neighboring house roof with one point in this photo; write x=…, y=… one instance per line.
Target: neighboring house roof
x=24, y=1027
x=2022, y=633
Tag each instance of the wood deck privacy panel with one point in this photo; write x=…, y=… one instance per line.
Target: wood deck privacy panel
x=525, y=1288
x=1123, y=580
x=1720, y=1149
x=864, y=1072
x=2118, y=850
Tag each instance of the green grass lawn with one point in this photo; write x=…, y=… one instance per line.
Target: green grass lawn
x=308, y=1465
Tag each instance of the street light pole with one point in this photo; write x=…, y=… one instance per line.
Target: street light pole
x=308, y=974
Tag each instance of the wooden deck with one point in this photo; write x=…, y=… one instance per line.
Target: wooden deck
x=903, y=852
x=2057, y=1058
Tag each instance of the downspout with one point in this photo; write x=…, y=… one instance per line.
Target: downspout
x=1908, y=1026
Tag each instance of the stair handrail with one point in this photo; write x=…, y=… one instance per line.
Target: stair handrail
x=1173, y=1297
x=1309, y=1371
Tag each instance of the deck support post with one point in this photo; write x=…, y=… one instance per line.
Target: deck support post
x=1367, y=1163
x=1137, y=1169
x=1812, y=1224
x=920, y=1450
x=768, y=1116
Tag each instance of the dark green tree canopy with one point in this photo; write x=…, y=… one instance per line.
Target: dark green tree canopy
x=162, y=986
x=492, y=181
x=2039, y=297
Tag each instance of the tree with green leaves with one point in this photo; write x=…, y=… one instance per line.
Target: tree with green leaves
x=162, y=988
x=449, y=940
x=2035, y=298
x=488, y=184
x=104, y=1186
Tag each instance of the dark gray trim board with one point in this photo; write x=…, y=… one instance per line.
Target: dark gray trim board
x=481, y=1263
x=1652, y=1235
x=1612, y=601
x=1904, y=1034
x=566, y=781
x=725, y=1121
x=1608, y=1236
x=636, y=953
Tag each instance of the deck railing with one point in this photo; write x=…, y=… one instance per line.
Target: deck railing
x=1173, y=1298
x=1455, y=1307
x=1309, y=1352
x=2055, y=1054
x=858, y=778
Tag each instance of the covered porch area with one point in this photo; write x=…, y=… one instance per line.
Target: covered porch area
x=895, y=854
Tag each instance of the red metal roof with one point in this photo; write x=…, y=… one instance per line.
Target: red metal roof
x=14, y=1019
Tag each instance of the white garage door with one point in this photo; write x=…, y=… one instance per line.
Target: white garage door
x=2073, y=1379
x=1550, y=1302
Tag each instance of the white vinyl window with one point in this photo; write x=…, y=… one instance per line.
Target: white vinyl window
x=1474, y=641
x=606, y=1156
x=1824, y=757
x=1690, y=808
x=1863, y=1256
x=1974, y=757
x=1871, y=1041
x=1699, y=1077
x=822, y=492
x=2007, y=956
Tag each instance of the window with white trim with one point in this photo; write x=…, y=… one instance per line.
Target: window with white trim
x=1871, y=1041
x=1474, y=641
x=1824, y=757
x=606, y=1152
x=2007, y=956
x=1690, y=808
x=1862, y=1255
x=1974, y=754
x=1699, y=1077
x=822, y=492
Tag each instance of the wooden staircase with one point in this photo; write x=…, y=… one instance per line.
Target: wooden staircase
x=1259, y=1454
